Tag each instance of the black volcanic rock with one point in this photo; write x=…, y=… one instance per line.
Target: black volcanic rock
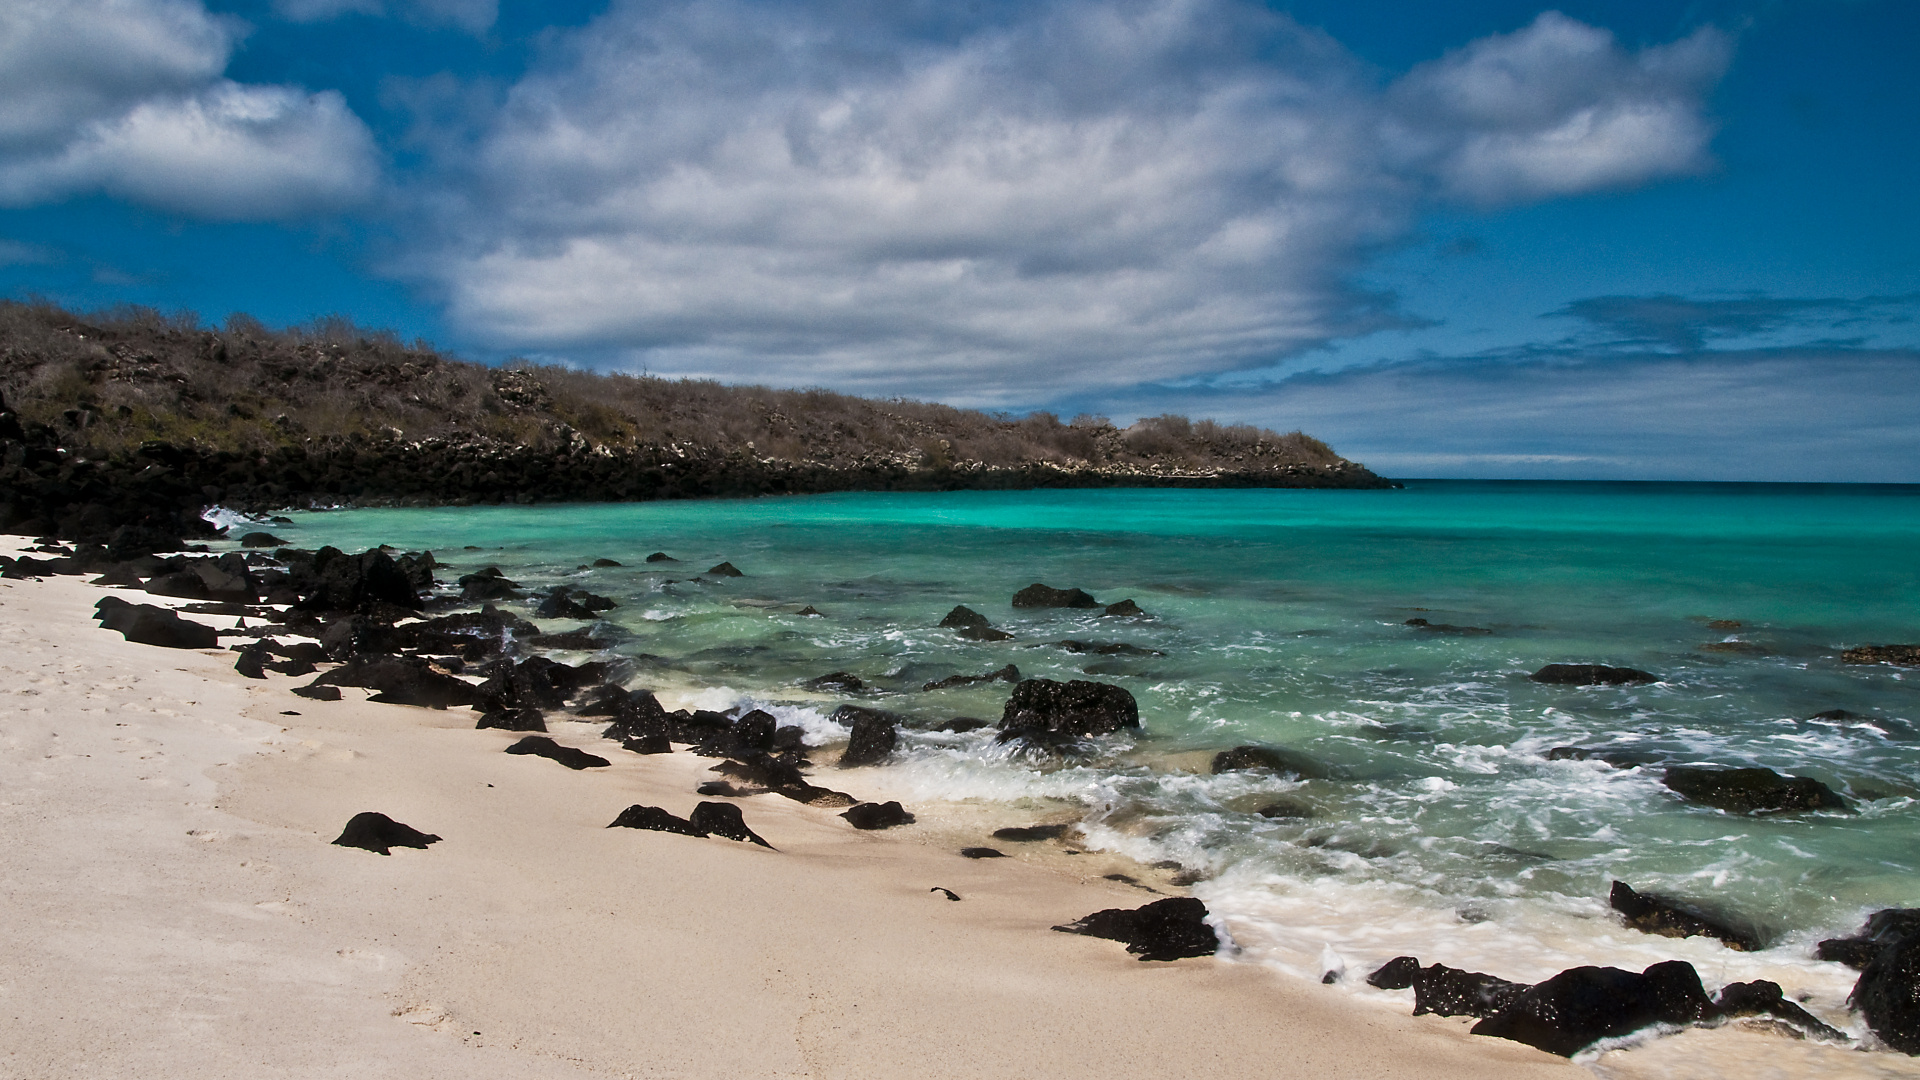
x=874, y=734
x=1446, y=628
x=836, y=680
x=1124, y=609
x=1076, y=708
x=261, y=540
x=1006, y=674
x=1905, y=655
x=1580, y=1006
x=402, y=680
x=1882, y=928
x=1752, y=791
x=723, y=819
x=1671, y=918
x=1026, y=834
x=871, y=816
x=982, y=853
x=316, y=693
x=1446, y=991
x=377, y=833
x=1045, y=596
x=654, y=819
x=336, y=581
x=1272, y=759
x=725, y=569
x=1887, y=994
x=147, y=624
x=1763, y=997
x=1163, y=930
x=541, y=746
x=523, y=719
x=1591, y=675
x=963, y=617
x=661, y=556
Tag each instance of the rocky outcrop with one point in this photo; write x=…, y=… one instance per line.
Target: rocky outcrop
x=402, y=680
x=1009, y=674
x=1887, y=953
x=872, y=816
x=1037, y=595
x=377, y=832
x=874, y=735
x=1580, y=1006
x=1665, y=917
x=1904, y=655
x=150, y=625
x=1752, y=791
x=1446, y=991
x=724, y=819
x=1167, y=929
x=1289, y=763
x=1074, y=709
x=541, y=746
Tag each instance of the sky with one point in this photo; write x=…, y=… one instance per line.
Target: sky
x=1486, y=238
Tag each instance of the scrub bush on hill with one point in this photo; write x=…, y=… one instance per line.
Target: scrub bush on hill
x=108, y=382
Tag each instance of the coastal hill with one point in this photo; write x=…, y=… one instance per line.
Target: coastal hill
x=329, y=412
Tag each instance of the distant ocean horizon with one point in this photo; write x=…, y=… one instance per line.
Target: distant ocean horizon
x=1430, y=818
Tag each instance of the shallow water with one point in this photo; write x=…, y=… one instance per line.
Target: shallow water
x=1441, y=828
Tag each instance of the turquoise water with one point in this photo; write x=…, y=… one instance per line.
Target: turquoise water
x=1441, y=829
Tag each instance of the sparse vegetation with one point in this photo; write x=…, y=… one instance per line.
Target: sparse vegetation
x=109, y=382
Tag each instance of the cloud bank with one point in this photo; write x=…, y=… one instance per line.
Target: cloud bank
x=125, y=97
x=1095, y=194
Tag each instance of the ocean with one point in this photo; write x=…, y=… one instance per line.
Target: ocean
x=1437, y=824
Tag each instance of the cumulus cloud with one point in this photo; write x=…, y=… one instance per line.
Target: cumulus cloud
x=1099, y=192
x=1558, y=108
x=124, y=97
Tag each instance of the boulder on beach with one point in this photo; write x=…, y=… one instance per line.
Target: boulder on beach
x=1272, y=759
x=723, y=819
x=402, y=680
x=1026, y=834
x=541, y=746
x=1887, y=994
x=874, y=735
x=1665, y=917
x=1763, y=997
x=871, y=816
x=147, y=624
x=1037, y=595
x=1752, y=791
x=1077, y=708
x=1163, y=930
x=1446, y=991
x=1580, y=1006
x=654, y=819
x=513, y=720
x=336, y=581
x=982, y=853
x=317, y=693
x=1591, y=675
x=377, y=833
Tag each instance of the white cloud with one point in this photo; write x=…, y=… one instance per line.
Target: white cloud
x=124, y=97
x=1558, y=108
x=1103, y=192
x=474, y=16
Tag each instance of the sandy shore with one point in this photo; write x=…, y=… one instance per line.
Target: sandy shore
x=174, y=908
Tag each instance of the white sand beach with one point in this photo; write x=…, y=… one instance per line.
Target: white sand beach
x=174, y=908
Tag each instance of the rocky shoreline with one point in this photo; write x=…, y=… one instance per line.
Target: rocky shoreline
x=383, y=622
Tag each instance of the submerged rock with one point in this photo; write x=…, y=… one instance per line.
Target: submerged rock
x=1445, y=628
x=1447, y=991
x=377, y=833
x=261, y=540
x=1618, y=758
x=872, y=816
x=1006, y=674
x=1285, y=762
x=661, y=556
x=541, y=746
x=1163, y=930
x=1077, y=708
x=960, y=725
x=1905, y=655
x=836, y=680
x=1125, y=608
x=1044, y=596
x=725, y=569
x=1591, y=675
x=1670, y=918
x=1752, y=791
x=1580, y=1006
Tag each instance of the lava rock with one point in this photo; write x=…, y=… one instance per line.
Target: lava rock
x=558, y=605
x=337, y=581
x=725, y=569
x=1619, y=759
x=1029, y=833
x=402, y=680
x=1043, y=596
x=261, y=540
x=1447, y=991
x=1463, y=631
x=723, y=819
x=252, y=664
x=984, y=633
x=377, y=833
x=962, y=617
x=317, y=693
x=872, y=816
x=873, y=737
x=1883, y=927
x=1285, y=762
x=541, y=746
x=661, y=556
x=1580, y=1006
x=1006, y=674
x=1763, y=997
x=1752, y=791
x=1591, y=675
x=648, y=744
x=963, y=724
x=1123, y=609
x=1670, y=918
x=602, y=564
x=1887, y=994
x=1285, y=809
x=1077, y=708
x=982, y=853
x=1905, y=655
x=147, y=624
x=513, y=720
x=655, y=819
x=1163, y=930
x=837, y=680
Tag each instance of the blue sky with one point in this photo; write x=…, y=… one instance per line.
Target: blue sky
x=1619, y=240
